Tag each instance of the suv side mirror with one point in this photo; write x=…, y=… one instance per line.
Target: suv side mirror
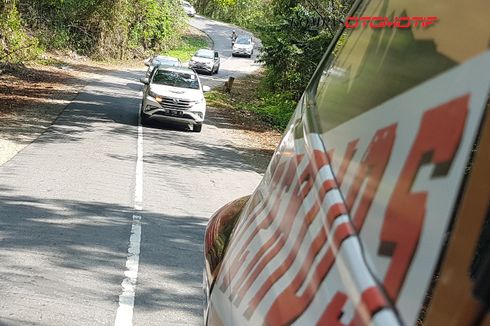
x=206, y=89
x=147, y=62
x=145, y=80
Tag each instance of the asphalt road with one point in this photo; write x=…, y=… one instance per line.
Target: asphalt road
x=94, y=186
x=220, y=33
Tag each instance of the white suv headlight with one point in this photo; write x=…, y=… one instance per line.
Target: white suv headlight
x=158, y=98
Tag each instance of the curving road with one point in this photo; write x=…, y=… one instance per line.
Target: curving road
x=230, y=66
x=102, y=221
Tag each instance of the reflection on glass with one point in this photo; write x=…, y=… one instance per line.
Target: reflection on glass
x=374, y=65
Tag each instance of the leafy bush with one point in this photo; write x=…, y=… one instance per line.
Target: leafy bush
x=15, y=45
x=291, y=50
x=250, y=94
x=155, y=24
x=274, y=108
x=245, y=13
x=105, y=29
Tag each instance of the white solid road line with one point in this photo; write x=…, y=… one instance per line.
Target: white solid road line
x=124, y=315
x=138, y=190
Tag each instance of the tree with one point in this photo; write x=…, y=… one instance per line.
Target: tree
x=295, y=36
x=98, y=28
x=245, y=13
x=15, y=44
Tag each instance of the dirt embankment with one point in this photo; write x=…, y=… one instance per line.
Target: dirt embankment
x=30, y=99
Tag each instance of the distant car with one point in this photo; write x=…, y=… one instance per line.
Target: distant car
x=205, y=60
x=243, y=46
x=174, y=94
x=161, y=60
x=188, y=8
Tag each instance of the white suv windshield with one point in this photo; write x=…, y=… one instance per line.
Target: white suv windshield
x=205, y=54
x=176, y=79
x=243, y=41
x=168, y=62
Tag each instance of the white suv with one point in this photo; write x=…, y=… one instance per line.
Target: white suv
x=188, y=8
x=174, y=94
x=243, y=46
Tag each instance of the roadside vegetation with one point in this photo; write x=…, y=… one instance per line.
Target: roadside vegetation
x=251, y=98
x=188, y=45
x=244, y=13
x=294, y=35
x=100, y=29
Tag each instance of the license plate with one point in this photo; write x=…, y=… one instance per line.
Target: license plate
x=174, y=112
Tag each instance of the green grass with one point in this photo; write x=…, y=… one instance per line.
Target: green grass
x=218, y=99
x=274, y=109
x=190, y=44
x=48, y=61
x=250, y=95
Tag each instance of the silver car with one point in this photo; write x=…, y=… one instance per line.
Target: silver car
x=161, y=60
x=205, y=60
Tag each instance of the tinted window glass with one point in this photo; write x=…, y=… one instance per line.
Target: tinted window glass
x=165, y=62
x=205, y=54
x=243, y=40
x=177, y=79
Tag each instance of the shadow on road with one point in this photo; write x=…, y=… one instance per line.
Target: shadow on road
x=178, y=259
x=59, y=239
x=211, y=157
x=102, y=102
